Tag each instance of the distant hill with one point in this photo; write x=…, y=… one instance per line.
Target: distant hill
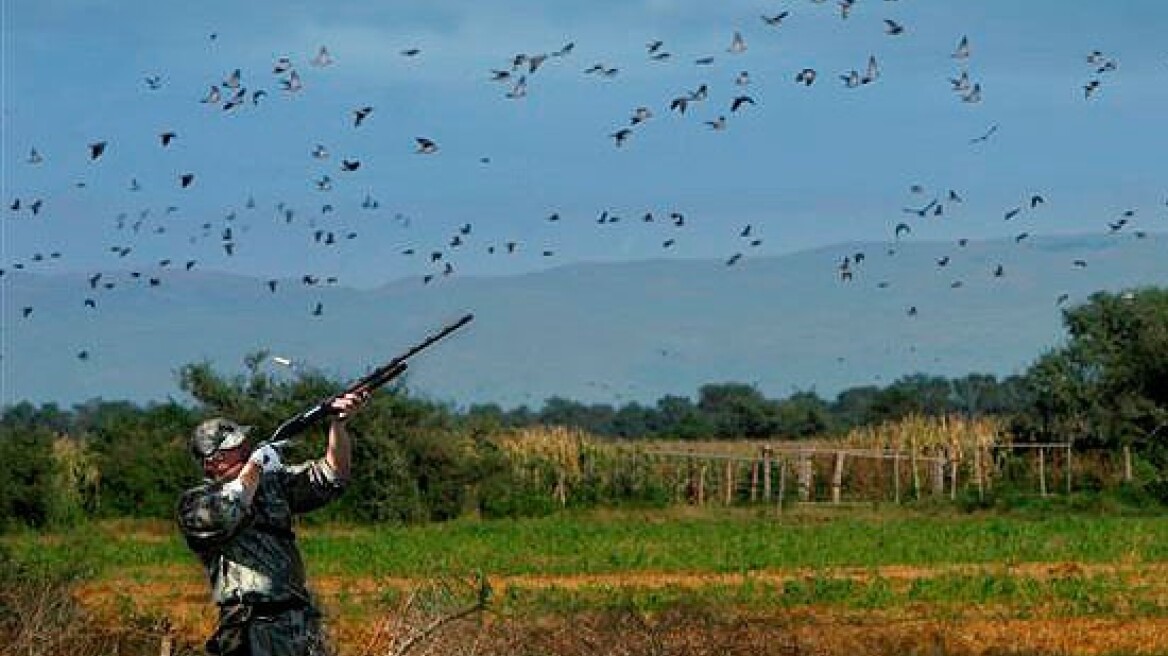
x=612, y=332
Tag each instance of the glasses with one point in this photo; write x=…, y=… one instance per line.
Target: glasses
x=220, y=456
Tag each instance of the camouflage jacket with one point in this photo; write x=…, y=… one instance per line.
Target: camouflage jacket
x=250, y=553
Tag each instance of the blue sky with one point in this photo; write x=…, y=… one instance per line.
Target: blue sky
x=804, y=166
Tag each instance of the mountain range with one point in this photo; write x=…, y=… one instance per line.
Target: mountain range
x=594, y=332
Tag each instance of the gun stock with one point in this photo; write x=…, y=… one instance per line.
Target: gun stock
x=368, y=383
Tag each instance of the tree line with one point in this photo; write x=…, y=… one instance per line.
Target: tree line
x=421, y=460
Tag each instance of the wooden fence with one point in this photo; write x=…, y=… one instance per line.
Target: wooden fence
x=776, y=474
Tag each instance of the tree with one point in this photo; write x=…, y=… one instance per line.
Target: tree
x=853, y=406
x=679, y=418
x=1109, y=383
x=802, y=415
x=737, y=410
x=26, y=476
x=142, y=456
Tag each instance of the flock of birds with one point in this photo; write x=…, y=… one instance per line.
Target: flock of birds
x=239, y=92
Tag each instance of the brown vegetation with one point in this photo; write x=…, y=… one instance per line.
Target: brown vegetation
x=378, y=617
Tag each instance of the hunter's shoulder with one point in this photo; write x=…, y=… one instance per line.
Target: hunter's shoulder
x=195, y=491
x=204, y=505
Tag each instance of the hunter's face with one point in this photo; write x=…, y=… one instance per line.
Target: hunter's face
x=226, y=463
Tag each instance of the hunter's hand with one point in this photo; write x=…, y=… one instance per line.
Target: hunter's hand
x=267, y=458
x=346, y=405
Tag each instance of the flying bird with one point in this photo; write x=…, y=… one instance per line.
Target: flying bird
x=961, y=82
x=962, y=50
x=871, y=71
x=737, y=44
x=425, y=146
x=921, y=212
x=986, y=135
x=740, y=101
x=292, y=83
x=359, y=115
x=322, y=58
x=96, y=150
x=777, y=19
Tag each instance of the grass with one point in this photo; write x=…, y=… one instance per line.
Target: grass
x=652, y=541
x=1006, y=595
x=811, y=569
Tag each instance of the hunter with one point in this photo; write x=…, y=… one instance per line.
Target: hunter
x=239, y=523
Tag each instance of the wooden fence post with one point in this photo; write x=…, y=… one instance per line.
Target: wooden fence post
x=896, y=475
x=1041, y=471
x=754, y=481
x=702, y=485
x=766, y=474
x=837, y=477
x=938, y=475
x=1068, y=468
x=782, y=482
x=728, y=483
x=977, y=472
x=806, y=475
x=916, y=475
x=954, y=461
x=561, y=490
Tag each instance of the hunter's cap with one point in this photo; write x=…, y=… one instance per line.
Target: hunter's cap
x=217, y=434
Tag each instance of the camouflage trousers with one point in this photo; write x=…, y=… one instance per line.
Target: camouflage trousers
x=247, y=631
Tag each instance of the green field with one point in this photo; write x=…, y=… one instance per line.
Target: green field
x=931, y=572
x=651, y=541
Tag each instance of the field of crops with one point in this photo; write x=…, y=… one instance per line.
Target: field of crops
x=812, y=580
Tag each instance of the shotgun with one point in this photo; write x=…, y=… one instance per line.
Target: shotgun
x=371, y=381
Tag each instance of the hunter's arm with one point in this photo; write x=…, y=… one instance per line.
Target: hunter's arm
x=339, y=453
